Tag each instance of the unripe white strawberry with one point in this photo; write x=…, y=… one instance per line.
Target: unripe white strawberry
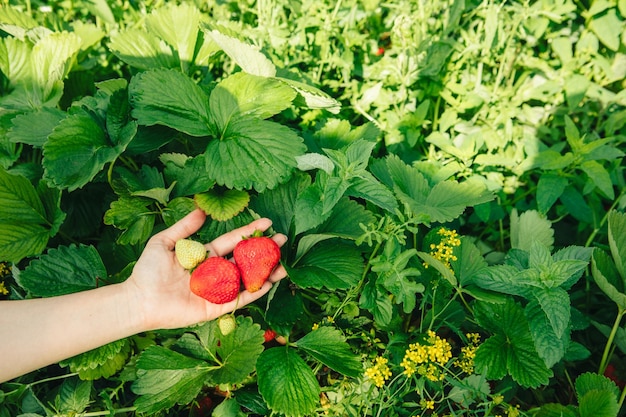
x=189, y=253
x=226, y=324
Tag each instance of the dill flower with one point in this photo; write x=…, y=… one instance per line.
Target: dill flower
x=379, y=373
x=3, y=289
x=444, y=251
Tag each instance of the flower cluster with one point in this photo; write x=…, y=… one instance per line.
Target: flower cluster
x=465, y=361
x=4, y=271
x=444, y=251
x=428, y=359
x=379, y=373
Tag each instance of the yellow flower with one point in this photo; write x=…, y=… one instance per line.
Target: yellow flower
x=465, y=361
x=444, y=251
x=428, y=359
x=3, y=289
x=379, y=373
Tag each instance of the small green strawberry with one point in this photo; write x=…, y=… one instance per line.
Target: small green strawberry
x=256, y=256
x=227, y=324
x=217, y=280
x=189, y=253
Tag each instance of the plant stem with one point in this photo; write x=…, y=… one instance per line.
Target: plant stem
x=609, y=343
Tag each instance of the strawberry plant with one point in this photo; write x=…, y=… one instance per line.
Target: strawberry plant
x=449, y=176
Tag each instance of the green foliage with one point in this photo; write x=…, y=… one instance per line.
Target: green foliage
x=445, y=172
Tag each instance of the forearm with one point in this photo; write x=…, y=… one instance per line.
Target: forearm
x=39, y=332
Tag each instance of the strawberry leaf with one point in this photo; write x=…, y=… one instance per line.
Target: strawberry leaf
x=286, y=382
x=133, y=216
x=77, y=150
x=222, y=206
x=29, y=216
x=34, y=128
x=166, y=378
x=141, y=49
x=247, y=56
x=328, y=345
x=101, y=362
x=253, y=153
x=63, y=270
x=183, y=105
x=242, y=95
x=334, y=265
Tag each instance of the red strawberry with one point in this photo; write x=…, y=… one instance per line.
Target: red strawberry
x=216, y=280
x=256, y=257
x=269, y=335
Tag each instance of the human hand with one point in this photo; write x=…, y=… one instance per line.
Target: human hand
x=160, y=285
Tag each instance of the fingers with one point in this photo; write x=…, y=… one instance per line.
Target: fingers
x=244, y=298
x=182, y=229
x=225, y=244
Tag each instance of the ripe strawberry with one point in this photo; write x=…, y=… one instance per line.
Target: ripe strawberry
x=189, y=253
x=226, y=324
x=269, y=335
x=216, y=279
x=256, y=257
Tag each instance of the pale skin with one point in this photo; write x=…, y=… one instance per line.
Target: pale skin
x=38, y=332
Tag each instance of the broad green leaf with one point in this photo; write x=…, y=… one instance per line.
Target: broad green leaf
x=557, y=410
x=607, y=277
x=133, y=216
x=607, y=28
x=178, y=26
x=589, y=382
x=556, y=305
x=77, y=150
x=242, y=95
x=287, y=383
x=253, y=153
x=279, y=203
x=142, y=50
x=170, y=98
x=237, y=352
x=312, y=97
x=511, y=349
x=500, y=278
x=119, y=125
x=529, y=227
x=576, y=205
x=166, y=378
x=346, y=219
x=26, y=223
x=599, y=176
x=309, y=208
x=247, y=56
x=598, y=403
x=33, y=128
x=549, y=188
x=329, y=346
x=64, y=270
x=73, y=396
x=564, y=271
x=550, y=346
x=446, y=201
x=222, y=205
x=102, y=362
x=333, y=265
x=379, y=304
x=469, y=261
x=617, y=240
x=371, y=190
x=51, y=60
x=187, y=173
x=443, y=269
x=311, y=161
